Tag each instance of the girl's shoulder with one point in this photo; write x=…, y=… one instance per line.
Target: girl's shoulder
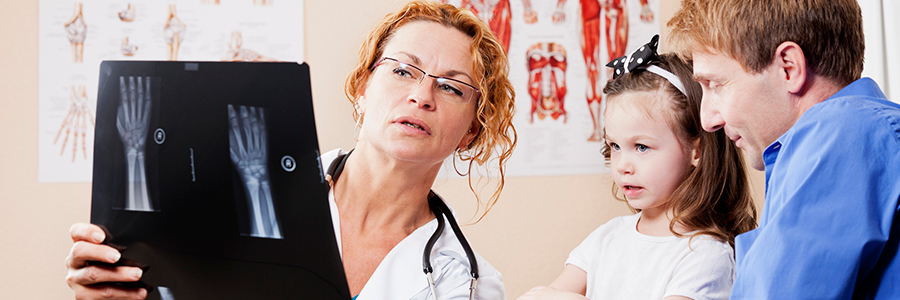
x=708, y=245
x=626, y=221
x=615, y=226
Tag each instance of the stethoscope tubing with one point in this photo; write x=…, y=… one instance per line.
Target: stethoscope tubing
x=440, y=210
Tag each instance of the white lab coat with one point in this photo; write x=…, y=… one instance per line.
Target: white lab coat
x=400, y=274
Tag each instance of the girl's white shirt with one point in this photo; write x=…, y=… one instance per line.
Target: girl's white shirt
x=622, y=263
x=400, y=275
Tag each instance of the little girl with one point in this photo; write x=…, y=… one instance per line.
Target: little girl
x=687, y=185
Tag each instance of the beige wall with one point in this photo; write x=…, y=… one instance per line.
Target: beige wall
x=527, y=236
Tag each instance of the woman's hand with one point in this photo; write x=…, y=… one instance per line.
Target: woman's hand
x=93, y=281
x=546, y=292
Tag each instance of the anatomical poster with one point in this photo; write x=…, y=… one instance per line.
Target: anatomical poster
x=557, y=52
x=76, y=36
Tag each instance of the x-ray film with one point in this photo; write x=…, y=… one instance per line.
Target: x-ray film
x=207, y=173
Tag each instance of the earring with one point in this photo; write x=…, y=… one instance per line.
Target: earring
x=459, y=155
x=357, y=128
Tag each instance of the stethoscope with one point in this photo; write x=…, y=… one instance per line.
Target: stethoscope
x=440, y=209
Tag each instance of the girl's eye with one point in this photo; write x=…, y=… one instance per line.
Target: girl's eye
x=642, y=148
x=614, y=146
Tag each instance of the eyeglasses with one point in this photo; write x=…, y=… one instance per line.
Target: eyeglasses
x=405, y=75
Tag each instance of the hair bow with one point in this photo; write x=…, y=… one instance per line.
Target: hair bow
x=640, y=59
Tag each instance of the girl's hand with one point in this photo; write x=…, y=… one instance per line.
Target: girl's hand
x=546, y=292
x=92, y=281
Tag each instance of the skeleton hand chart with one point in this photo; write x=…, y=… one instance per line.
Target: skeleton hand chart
x=76, y=31
x=249, y=153
x=128, y=49
x=76, y=121
x=547, y=81
x=237, y=53
x=173, y=32
x=133, y=122
x=127, y=14
x=495, y=13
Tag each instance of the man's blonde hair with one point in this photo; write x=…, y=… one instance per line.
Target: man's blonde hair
x=830, y=33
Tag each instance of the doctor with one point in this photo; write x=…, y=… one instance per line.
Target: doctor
x=430, y=82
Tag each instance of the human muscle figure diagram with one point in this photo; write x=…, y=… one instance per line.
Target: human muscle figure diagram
x=495, y=13
x=133, y=123
x=173, y=33
x=530, y=16
x=547, y=81
x=76, y=122
x=248, y=145
x=614, y=15
x=76, y=32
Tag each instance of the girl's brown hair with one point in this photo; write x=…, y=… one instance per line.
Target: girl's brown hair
x=714, y=197
x=496, y=138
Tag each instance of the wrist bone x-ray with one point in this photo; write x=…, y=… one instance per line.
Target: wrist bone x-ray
x=133, y=122
x=248, y=146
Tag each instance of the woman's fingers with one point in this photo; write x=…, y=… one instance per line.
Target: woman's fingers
x=107, y=291
x=84, y=252
x=98, y=274
x=87, y=233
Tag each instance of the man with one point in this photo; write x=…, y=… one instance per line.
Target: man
x=782, y=78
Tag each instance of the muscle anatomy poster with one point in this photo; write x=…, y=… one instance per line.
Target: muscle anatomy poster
x=75, y=36
x=557, y=51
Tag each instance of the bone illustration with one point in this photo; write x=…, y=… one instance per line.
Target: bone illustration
x=128, y=49
x=173, y=33
x=236, y=51
x=127, y=14
x=76, y=32
x=76, y=121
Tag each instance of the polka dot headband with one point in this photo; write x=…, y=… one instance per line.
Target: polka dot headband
x=641, y=59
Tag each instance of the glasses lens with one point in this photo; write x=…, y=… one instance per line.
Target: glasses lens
x=453, y=90
x=403, y=72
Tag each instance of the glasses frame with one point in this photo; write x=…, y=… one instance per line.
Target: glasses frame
x=476, y=97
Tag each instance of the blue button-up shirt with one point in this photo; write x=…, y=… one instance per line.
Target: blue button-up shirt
x=828, y=228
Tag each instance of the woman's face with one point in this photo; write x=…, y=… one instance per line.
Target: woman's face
x=414, y=122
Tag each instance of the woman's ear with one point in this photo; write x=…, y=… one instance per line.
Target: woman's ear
x=467, y=139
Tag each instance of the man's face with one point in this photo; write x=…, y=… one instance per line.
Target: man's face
x=754, y=109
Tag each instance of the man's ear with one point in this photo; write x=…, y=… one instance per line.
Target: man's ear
x=790, y=63
x=467, y=139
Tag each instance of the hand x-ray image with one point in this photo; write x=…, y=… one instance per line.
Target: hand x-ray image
x=133, y=122
x=208, y=174
x=248, y=147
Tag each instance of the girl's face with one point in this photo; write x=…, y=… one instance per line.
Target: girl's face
x=646, y=158
x=413, y=122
